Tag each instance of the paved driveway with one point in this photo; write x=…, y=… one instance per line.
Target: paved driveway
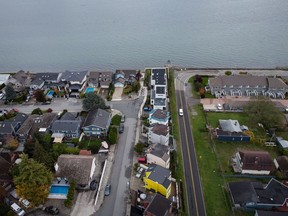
x=117, y=96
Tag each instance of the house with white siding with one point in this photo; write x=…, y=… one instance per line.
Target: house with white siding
x=159, y=133
x=159, y=154
x=159, y=116
x=158, y=83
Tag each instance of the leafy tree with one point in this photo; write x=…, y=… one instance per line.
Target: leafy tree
x=33, y=181
x=138, y=75
x=228, y=73
x=93, y=101
x=42, y=156
x=37, y=111
x=11, y=143
x=198, y=79
x=136, y=86
x=116, y=120
x=262, y=110
x=39, y=95
x=94, y=146
x=139, y=148
x=10, y=93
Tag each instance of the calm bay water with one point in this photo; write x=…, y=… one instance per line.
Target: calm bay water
x=55, y=35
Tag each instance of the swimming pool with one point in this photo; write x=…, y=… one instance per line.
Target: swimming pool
x=58, y=191
x=50, y=93
x=89, y=89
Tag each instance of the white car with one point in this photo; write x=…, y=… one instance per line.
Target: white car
x=180, y=112
x=25, y=202
x=17, y=209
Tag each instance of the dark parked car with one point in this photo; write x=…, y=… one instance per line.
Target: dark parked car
x=93, y=185
x=107, y=190
x=51, y=210
x=121, y=128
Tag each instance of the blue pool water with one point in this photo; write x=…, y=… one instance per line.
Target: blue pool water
x=50, y=93
x=59, y=189
x=89, y=89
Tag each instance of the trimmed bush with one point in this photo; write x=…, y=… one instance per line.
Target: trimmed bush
x=112, y=135
x=70, y=196
x=116, y=120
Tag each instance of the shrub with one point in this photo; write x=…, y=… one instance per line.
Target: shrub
x=116, y=120
x=139, y=148
x=71, y=150
x=228, y=73
x=112, y=135
x=94, y=146
x=37, y=111
x=70, y=195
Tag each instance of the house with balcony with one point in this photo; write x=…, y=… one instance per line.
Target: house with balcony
x=74, y=81
x=97, y=123
x=159, y=133
x=97, y=79
x=253, y=162
x=158, y=83
x=251, y=195
x=159, y=154
x=158, y=179
x=248, y=86
x=159, y=116
x=68, y=126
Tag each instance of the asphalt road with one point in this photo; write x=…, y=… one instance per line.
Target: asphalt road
x=115, y=204
x=196, y=205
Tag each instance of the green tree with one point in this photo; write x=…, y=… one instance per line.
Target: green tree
x=228, y=73
x=139, y=148
x=93, y=101
x=94, y=146
x=10, y=93
x=33, y=181
x=39, y=95
x=136, y=86
x=262, y=110
x=42, y=156
x=116, y=120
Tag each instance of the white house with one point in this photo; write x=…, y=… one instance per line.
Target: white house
x=160, y=155
x=158, y=84
x=159, y=116
x=254, y=162
x=159, y=133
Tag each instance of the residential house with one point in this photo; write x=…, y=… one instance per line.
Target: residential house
x=33, y=124
x=253, y=162
x=37, y=83
x=269, y=213
x=159, y=116
x=247, y=86
x=282, y=143
x=256, y=196
x=51, y=79
x=68, y=126
x=231, y=130
x=158, y=179
x=75, y=81
x=159, y=206
x=159, y=154
x=158, y=83
x=281, y=163
x=159, y=133
x=21, y=80
x=97, y=123
x=97, y=79
x=9, y=127
x=123, y=77
x=81, y=168
x=4, y=79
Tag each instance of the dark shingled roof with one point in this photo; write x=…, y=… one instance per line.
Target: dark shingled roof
x=66, y=125
x=159, y=206
x=282, y=162
x=160, y=151
x=48, y=76
x=256, y=160
x=69, y=116
x=98, y=118
x=160, y=90
x=160, y=129
x=76, y=167
x=242, y=192
x=270, y=213
x=158, y=74
x=159, y=174
x=76, y=76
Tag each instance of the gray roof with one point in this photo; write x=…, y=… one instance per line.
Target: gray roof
x=160, y=151
x=230, y=125
x=7, y=127
x=160, y=129
x=76, y=167
x=160, y=90
x=160, y=114
x=37, y=81
x=158, y=74
x=66, y=125
x=73, y=76
x=270, y=213
x=252, y=81
x=48, y=76
x=97, y=118
x=69, y=116
x=20, y=117
x=127, y=73
x=159, y=174
x=159, y=205
x=160, y=101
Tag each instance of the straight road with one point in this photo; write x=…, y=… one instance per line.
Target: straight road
x=196, y=205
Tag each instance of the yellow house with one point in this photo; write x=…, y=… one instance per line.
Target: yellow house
x=157, y=178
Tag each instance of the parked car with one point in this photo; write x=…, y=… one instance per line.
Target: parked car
x=180, y=112
x=107, y=190
x=93, y=185
x=14, y=194
x=17, y=209
x=25, y=202
x=147, y=108
x=123, y=119
x=121, y=128
x=28, y=98
x=51, y=210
